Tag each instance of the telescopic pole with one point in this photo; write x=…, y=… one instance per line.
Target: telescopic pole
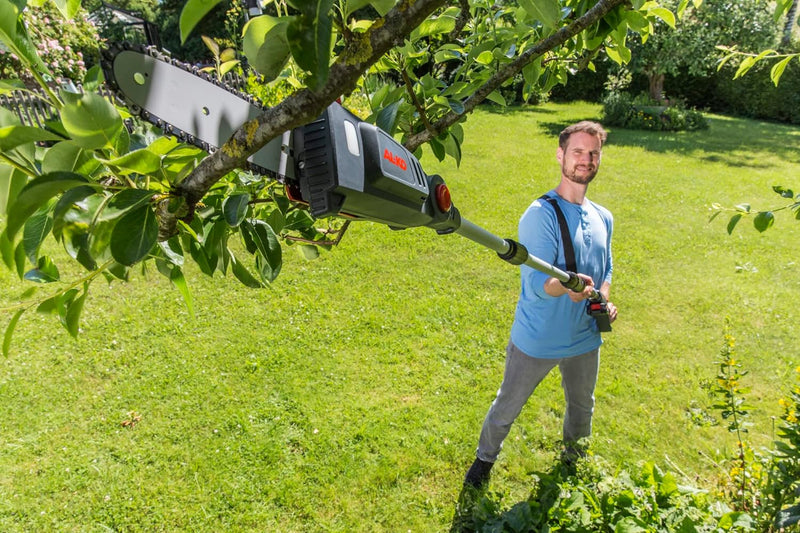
x=516, y=254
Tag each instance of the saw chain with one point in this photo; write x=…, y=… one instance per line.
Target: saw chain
x=203, y=111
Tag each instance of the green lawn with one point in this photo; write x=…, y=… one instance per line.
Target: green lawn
x=349, y=396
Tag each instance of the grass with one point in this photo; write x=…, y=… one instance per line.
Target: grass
x=349, y=396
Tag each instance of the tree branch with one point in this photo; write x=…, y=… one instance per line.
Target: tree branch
x=601, y=9
x=304, y=105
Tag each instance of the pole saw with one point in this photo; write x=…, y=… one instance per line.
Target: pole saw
x=338, y=165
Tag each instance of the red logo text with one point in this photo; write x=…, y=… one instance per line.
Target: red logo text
x=394, y=159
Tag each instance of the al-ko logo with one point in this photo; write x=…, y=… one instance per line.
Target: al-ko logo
x=396, y=160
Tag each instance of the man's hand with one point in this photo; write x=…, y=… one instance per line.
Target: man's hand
x=553, y=287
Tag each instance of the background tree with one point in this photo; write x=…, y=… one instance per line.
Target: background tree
x=115, y=199
x=745, y=24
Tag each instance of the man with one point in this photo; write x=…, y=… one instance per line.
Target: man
x=551, y=327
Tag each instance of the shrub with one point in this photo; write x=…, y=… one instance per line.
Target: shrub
x=640, y=113
x=67, y=47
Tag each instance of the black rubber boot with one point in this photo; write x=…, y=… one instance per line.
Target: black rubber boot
x=478, y=473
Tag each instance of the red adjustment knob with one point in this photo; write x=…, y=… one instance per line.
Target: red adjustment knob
x=443, y=200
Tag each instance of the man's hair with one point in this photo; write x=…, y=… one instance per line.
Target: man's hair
x=585, y=126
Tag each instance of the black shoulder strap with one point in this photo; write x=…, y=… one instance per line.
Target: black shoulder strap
x=566, y=238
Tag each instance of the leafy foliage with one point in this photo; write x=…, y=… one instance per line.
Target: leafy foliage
x=619, y=109
x=104, y=187
x=66, y=47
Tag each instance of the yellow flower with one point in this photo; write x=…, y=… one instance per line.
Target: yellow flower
x=784, y=402
x=792, y=417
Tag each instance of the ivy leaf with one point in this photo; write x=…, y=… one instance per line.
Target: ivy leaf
x=134, y=236
x=763, y=221
x=192, y=13
x=309, y=37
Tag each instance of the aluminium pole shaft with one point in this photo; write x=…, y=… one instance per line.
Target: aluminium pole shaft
x=516, y=254
x=505, y=247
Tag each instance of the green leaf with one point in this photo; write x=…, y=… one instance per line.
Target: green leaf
x=9, y=86
x=124, y=202
x=266, y=46
x=192, y=13
x=91, y=121
x=68, y=8
x=33, y=234
x=435, y=26
x=732, y=222
x=382, y=6
x=177, y=278
x=387, y=117
x=777, y=69
x=548, y=12
x=11, y=182
x=309, y=38
x=497, y=98
x=664, y=14
x=788, y=517
x=211, y=44
x=783, y=191
x=10, y=331
x=309, y=251
x=268, y=248
x=35, y=194
x=485, y=58
x=45, y=272
x=235, y=208
x=763, y=221
x=9, y=14
x=141, y=161
x=68, y=156
x=134, y=236
x=74, y=309
x=242, y=274
x=13, y=136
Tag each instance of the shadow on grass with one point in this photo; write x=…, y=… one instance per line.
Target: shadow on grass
x=480, y=510
x=736, y=142
x=733, y=142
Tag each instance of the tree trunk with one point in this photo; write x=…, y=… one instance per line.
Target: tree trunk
x=656, y=87
x=789, y=26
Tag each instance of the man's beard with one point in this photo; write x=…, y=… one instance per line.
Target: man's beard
x=583, y=179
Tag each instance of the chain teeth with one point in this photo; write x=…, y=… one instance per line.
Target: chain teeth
x=107, y=60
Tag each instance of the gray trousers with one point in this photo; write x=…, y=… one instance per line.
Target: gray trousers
x=522, y=375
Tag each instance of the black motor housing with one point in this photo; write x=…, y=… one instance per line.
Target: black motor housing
x=348, y=167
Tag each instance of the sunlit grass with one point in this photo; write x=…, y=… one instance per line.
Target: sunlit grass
x=349, y=396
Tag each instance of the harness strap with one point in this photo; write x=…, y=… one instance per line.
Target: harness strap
x=569, y=249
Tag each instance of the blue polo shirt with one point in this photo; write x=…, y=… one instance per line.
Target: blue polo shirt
x=553, y=327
